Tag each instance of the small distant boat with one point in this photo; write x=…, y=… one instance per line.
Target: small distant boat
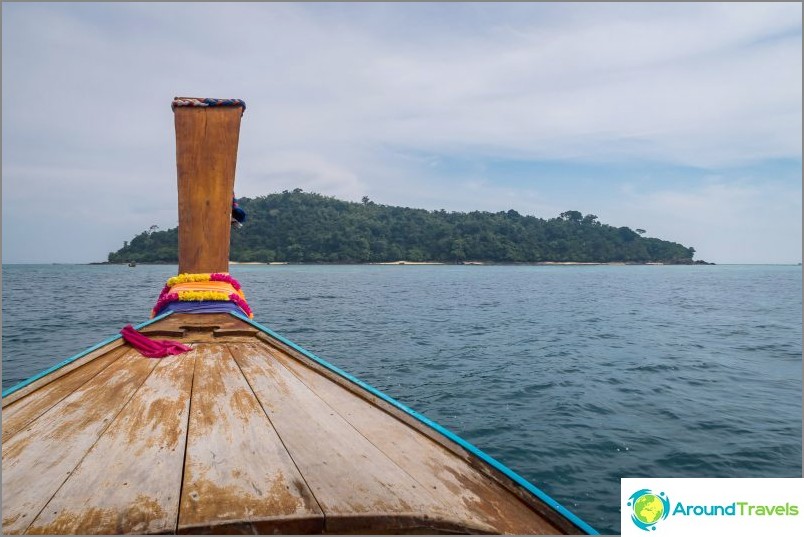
x=132, y=263
x=245, y=433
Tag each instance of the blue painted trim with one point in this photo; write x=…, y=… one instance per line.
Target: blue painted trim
x=81, y=354
x=543, y=496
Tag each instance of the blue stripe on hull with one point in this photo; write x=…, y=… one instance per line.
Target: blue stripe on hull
x=59, y=365
x=543, y=496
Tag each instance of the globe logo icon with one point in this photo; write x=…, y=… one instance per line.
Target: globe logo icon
x=648, y=508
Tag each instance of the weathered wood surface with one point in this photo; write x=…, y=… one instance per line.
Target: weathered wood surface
x=354, y=482
x=36, y=385
x=130, y=481
x=237, y=470
x=546, y=514
x=37, y=463
x=238, y=436
x=470, y=496
x=206, y=155
x=18, y=415
x=198, y=328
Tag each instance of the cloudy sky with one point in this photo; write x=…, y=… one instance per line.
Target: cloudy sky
x=682, y=119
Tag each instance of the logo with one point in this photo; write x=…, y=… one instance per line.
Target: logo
x=648, y=508
x=702, y=506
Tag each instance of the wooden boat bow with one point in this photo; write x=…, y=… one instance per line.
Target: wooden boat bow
x=247, y=432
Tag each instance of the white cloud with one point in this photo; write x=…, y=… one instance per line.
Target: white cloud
x=309, y=171
x=742, y=222
x=333, y=90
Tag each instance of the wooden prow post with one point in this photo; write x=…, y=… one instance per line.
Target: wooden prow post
x=206, y=154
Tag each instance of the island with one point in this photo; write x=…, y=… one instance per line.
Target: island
x=302, y=227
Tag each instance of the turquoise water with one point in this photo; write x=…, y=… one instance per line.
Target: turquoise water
x=574, y=376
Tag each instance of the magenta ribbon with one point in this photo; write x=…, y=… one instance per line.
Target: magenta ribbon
x=152, y=348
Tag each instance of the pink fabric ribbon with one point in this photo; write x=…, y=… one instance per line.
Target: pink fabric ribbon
x=152, y=348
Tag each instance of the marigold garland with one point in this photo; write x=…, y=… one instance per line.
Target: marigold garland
x=198, y=296
x=166, y=296
x=214, y=277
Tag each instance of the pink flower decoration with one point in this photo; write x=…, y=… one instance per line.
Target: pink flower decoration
x=164, y=301
x=242, y=304
x=218, y=277
x=164, y=292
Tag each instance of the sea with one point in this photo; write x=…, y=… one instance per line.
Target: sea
x=573, y=376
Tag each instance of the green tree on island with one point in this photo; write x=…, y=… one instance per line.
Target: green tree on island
x=306, y=227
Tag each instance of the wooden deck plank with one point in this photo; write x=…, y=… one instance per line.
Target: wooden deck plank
x=469, y=494
x=130, y=481
x=36, y=463
x=25, y=410
x=357, y=486
x=238, y=475
x=62, y=371
x=186, y=325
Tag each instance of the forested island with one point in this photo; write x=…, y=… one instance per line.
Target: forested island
x=297, y=226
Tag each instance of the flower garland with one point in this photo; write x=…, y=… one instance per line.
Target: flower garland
x=163, y=301
x=166, y=296
x=198, y=296
x=242, y=304
x=214, y=277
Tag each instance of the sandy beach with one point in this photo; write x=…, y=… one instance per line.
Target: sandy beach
x=408, y=263
x=257, y=263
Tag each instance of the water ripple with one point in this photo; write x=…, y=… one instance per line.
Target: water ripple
x=572, y=376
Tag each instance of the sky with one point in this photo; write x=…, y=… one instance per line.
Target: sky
x=683, y=119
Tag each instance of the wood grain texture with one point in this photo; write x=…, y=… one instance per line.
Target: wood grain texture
x=25, y=410
x=206, y=155
x=470, y=495
x=36, y=463
x=275, y=444
x=238, y=473
x=208, y=327
x=536, y=505
x=357, y=486
x=130, y=481
x=19, y=394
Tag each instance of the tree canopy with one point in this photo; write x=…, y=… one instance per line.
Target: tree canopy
x=305, y=227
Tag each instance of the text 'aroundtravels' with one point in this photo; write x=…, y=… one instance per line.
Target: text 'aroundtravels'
x=736, y=509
